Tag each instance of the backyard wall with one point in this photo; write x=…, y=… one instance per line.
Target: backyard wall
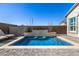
x=17, y=30
x=57, y=29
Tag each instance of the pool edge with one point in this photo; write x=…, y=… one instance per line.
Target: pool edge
x=75, y=45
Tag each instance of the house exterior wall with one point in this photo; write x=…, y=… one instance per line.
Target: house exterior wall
x=74, y=13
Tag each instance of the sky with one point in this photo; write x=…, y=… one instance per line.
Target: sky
x=33, y=13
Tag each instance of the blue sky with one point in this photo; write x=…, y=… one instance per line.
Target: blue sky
x=41, y=13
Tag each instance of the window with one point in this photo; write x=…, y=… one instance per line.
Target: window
x=72, y=24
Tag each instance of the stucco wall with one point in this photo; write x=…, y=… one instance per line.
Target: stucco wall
x=17, y=30
x=74, y=13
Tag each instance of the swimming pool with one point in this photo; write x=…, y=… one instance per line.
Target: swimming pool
x=41, y=41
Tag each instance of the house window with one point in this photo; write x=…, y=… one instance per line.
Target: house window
x=72, y=24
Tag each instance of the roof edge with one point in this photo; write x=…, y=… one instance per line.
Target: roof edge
x=70, y=10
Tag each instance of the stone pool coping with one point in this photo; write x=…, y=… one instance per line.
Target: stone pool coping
x=74, y=45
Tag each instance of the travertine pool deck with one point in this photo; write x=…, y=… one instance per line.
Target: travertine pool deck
x=40, y=51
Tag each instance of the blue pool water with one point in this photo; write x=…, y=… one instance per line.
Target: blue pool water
x=41, y=41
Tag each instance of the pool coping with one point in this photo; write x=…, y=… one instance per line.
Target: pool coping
x=74, y=46
x=68, y=40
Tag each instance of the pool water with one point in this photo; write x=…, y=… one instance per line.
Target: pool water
x=41, y=41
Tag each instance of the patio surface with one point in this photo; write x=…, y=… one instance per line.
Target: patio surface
x=2, y=42
x=39, y=52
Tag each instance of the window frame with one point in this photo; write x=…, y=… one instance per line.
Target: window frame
x=73, y=24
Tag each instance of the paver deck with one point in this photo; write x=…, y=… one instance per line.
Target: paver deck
x=39, y=52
